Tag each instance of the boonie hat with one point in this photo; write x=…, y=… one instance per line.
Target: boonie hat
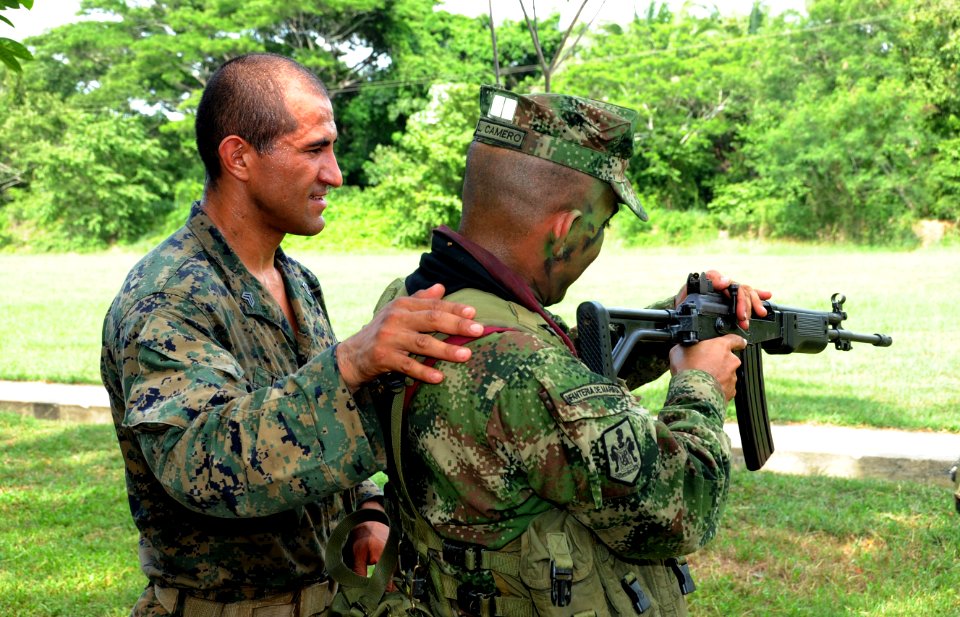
x=590, y=136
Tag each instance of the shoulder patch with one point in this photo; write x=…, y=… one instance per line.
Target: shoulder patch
x=591, y=390
x=622, y=453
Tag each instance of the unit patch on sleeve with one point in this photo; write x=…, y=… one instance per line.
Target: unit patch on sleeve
x=622, y=452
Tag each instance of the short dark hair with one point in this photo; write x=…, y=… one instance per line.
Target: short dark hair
x=244, y=97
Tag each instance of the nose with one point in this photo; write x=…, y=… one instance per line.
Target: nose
x=330, y=173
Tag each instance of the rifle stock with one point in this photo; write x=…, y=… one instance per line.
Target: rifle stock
x=607, y=336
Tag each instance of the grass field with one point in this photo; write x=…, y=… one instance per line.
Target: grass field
x=53, y=306
x=788, y=546
x=794, y=546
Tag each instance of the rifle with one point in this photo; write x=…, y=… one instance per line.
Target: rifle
x=607, y=336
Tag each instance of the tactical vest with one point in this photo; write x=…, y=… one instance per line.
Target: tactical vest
x=556, y=568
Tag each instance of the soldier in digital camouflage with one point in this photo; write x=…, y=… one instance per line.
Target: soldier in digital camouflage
x=243, y=427
x=547, y=488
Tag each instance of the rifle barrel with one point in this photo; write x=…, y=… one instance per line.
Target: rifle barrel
x=877, y=340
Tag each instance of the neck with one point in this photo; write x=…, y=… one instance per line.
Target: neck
x=522, y=254
x=254, y=243
x=519, y=286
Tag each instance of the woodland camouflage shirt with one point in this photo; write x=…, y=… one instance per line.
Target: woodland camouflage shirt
x=524, y=426
x=239, y=438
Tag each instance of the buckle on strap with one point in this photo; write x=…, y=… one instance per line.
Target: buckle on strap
x=561, y=584
x=561, y=569
x=633, y=590
x=464, y=556
x=682, y=571
x=474, y=601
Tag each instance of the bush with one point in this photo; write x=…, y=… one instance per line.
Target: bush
x=89, y=180
x=664, y=227
x=354, y=221
x=417, y=181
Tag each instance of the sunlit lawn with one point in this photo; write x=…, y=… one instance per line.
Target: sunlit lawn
x=53, y=305
x=788, y=545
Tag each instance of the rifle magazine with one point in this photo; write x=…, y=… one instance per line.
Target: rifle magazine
x=751, y=403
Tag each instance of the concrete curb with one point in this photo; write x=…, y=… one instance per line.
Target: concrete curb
x=844, y=452
x=798, y=448
x=46, y=401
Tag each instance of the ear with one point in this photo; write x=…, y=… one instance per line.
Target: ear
x=561, y=224
x=234, y=152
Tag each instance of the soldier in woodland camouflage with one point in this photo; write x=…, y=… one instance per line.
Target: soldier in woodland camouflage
x=244, y=431
x=547, y=488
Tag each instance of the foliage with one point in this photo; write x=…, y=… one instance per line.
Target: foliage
x=11, y=52
x=94, y=179
x=354, y=222
x=840, y=123
x=691, y=90
x=808, y=133
x=842, y=165
x=418, y=180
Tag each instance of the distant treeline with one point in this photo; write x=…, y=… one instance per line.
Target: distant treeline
x=841, y=124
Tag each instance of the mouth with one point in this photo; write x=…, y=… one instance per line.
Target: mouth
x=319, y=198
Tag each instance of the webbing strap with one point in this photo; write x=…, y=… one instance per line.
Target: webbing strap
x=494, y=606
x=400, y=403
x=426, y=539
x=362, y=590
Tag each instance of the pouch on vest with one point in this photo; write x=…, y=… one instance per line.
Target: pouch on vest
x=553, y=541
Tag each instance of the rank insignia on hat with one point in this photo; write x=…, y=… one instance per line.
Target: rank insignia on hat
x=622, y=453
x=502, y=107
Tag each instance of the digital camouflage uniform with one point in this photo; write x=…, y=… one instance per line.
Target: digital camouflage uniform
x=524, y=429
x=242, y=445
x=525, y=452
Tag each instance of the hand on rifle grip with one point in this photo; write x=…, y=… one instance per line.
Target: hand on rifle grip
x=716, y=356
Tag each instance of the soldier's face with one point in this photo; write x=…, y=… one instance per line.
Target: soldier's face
x=597, y=203
x=289, y=183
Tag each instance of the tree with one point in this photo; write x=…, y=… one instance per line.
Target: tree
x=558, y=55
x=89, y=179
x=932, y=53
x=419, y=178
x=690, y=81
x=839, y=151
x=11, y=52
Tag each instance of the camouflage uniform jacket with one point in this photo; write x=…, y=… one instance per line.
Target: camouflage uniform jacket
x=524, y=427
x=242, y=445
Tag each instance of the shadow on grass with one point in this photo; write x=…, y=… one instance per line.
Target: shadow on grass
x=792, y=545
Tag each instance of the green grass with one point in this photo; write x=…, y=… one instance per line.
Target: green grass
x=792, y=546
x=51, y=313
x=67, y=543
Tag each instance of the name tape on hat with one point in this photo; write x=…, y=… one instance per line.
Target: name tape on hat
x=503, y=135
